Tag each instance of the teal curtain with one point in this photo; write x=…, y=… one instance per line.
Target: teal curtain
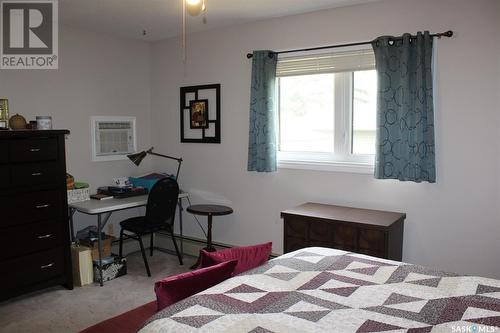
x=405, y=111
x=262, y=129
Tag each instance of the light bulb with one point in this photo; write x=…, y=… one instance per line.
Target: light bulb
x=195, y=7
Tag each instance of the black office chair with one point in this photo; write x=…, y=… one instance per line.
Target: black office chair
x=160, y=216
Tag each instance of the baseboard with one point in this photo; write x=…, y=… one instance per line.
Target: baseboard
x=192, y=245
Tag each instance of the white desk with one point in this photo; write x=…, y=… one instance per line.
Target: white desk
x=104, y=208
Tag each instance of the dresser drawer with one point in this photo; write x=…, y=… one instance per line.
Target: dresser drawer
x=31, y=269
x=30, y=207
x=30, y=150
x=4, y=176
x=4, y=151
x=34, y=174
x=29, y=238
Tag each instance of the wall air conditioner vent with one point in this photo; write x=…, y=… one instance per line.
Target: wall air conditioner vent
x=113, y=138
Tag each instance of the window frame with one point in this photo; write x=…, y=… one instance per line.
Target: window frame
x=342, y=160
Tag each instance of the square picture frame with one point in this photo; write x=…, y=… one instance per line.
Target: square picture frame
x=200, y=131
x=198, y=113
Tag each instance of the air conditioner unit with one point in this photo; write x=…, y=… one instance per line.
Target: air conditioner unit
x=113, y=138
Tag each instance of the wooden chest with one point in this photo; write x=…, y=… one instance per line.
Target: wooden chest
x=372, y=232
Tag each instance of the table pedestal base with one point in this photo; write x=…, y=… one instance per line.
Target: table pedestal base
x=198, y=261
x=208, y=211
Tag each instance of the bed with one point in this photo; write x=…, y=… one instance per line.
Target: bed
x=326, y=290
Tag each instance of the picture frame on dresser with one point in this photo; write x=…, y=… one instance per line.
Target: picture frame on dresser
x=34, y=229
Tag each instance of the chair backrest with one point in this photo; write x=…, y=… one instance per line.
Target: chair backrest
x=162, y=202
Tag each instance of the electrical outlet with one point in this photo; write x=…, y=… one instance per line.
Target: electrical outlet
x=111, y=229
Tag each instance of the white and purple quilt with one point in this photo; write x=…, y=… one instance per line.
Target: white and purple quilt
x=325, y=290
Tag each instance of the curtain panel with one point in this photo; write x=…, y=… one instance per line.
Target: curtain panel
x=262, y=129
x=405, y=111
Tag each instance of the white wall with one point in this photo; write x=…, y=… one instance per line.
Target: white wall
x=452, y=225
x=98, y=75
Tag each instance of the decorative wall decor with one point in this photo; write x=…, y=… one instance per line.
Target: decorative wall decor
x=200, y=113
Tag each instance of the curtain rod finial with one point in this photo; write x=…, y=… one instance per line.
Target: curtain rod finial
x=448, y=33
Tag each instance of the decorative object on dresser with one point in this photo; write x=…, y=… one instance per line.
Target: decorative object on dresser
x=44, y=122
x=34, y=231
x=200, y=113
x=4, y=114
x=17, y=122
x=373, y=232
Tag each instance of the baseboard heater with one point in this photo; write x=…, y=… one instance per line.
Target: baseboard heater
x=193, y=240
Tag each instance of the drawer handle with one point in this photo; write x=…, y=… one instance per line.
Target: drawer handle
x=34, y=150
x=44, y=236
x=47, y=266
x=42, y=206
x=36, y=174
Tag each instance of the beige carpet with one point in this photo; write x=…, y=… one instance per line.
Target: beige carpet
x=60, y=310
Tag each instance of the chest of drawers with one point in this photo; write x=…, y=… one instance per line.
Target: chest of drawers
x=34, y=235
x=372, y=232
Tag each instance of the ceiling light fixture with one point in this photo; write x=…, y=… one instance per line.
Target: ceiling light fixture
x=193, y=8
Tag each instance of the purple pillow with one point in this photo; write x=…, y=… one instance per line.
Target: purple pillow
x=248, y=256
x=175, y=288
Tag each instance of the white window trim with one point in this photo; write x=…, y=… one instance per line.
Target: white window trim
x=348, y=167
x=342, y=161
x=94, y=120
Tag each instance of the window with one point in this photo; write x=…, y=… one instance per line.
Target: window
x=113, y=138
x=327, y=110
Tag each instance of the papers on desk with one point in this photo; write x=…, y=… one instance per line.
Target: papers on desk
x=101, y=196
x=121, y=192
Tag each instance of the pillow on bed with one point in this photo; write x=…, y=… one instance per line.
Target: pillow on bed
x=175, y=288
x=248, y=256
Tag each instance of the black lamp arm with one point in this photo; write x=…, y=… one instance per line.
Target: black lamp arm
x=179, y=160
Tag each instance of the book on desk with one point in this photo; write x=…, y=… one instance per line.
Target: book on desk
x=108, y=192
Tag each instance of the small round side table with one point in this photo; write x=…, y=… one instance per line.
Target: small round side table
x=209, y=211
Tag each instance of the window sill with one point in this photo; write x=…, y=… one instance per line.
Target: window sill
x=348, y=167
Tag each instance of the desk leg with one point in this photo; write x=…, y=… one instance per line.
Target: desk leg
x=71, y=224
x=180, y=227
x=99, y=248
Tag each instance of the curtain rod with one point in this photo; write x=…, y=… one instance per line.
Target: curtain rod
x=448, y=33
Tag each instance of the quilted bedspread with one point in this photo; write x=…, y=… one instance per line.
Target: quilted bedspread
x=325, y=290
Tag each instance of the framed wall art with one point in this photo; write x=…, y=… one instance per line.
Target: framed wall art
x=200, y=113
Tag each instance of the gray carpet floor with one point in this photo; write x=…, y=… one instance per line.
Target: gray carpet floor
x=65, y=311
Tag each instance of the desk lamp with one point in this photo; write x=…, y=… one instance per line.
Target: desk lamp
x=138, y=157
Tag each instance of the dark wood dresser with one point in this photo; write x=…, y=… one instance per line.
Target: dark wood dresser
x=34, y=235
x=372, y=232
